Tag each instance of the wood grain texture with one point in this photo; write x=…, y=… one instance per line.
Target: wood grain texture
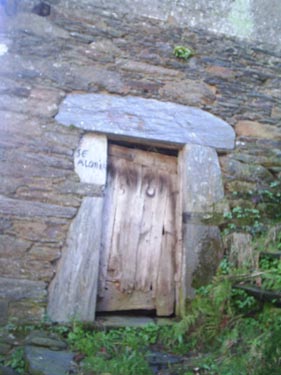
x=137, y=268
x=73, y=291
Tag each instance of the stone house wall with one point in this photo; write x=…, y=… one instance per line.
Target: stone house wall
x=43, y=58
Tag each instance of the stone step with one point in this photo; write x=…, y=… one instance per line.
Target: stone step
x=122, y=321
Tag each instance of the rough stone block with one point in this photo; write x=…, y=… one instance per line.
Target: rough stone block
x=188, y=92
x=235, y=169
x=11, y=247
x=18, y=289
x=44, y=253
x=51, y=230
x=29, y=208
x=26, y=268
x=257, y=130
x=27, y=311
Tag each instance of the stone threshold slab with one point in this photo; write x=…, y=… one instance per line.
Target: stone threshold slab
x=122, y=321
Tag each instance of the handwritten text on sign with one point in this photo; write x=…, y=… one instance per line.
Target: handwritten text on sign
x=90, y=159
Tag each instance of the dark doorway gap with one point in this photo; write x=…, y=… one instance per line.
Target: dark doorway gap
x=145, y=147
x=135, y=313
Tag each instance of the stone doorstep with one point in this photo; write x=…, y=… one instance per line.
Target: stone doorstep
x=122, y=321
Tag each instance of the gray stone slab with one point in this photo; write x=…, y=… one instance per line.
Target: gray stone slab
x=42, y=361
x=145, y=119
x=25, y=208
x=73, y=291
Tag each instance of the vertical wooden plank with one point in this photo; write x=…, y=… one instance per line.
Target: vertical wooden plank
x=154, y=194
x=179, y=256
x=108, y=217
x=165, y=297
x=73, y=292
x=126, y=226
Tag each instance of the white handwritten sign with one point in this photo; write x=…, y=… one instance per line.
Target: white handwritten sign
x=90, y=159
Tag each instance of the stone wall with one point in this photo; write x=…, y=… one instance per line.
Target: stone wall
x=255, y=20
x=44, y=57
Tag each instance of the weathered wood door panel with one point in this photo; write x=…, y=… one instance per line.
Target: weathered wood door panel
x=138, y=252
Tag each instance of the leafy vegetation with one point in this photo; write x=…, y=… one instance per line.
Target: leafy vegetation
x=182, y=52
x=15, y=360
x=257, y=209
x=118, y=352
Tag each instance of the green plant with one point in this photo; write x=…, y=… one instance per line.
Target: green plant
x=232, y=327
x=271, y=275
x=242, y=219
x=182, y=52
x=118, y=352
x=16, y=361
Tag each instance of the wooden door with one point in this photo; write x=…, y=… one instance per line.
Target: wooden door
x=138, y=252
